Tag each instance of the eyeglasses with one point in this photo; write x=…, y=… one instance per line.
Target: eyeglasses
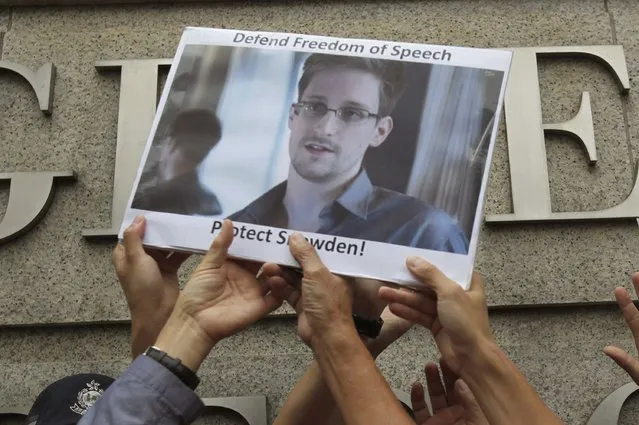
x=317, y=110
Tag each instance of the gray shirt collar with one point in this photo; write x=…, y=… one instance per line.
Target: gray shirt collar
x=357, y=196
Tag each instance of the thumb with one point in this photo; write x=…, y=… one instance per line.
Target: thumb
x=477, y=284
x=132, y=238
x=306, y=255
x=468, y=401
x=429, y=275
x=217, y=253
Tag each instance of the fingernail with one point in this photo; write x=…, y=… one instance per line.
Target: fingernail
x=137, y=219
x=414, y=262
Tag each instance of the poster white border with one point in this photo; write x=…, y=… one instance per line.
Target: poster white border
x=380, y=261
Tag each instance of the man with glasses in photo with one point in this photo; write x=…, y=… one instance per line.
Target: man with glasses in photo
x=344, y=107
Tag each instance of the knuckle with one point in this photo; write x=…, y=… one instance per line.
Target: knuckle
x=316, y=272
x=129, y=231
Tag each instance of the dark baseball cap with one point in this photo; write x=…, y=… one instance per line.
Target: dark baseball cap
x=65, y=401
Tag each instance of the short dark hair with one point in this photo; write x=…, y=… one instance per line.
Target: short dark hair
x=196, y=122
x=389, y=72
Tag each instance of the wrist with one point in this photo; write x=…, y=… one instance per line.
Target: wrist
x=150, y=318
x=341, y=332
x=485, y=357
x=182, y=338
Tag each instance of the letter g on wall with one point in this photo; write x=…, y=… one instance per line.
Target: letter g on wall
x=30, y=193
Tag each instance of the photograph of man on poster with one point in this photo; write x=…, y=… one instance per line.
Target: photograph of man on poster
x=172, y=184
x=345, y=146
x=344, y=108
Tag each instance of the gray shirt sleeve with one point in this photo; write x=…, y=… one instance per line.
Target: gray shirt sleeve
x=146, y=393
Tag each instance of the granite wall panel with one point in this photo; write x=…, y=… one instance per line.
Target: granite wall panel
x=53, y=275
x=558, y=351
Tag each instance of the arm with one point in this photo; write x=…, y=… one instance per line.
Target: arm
x=503, y=393
x=325, y=323
x=148, y=393
x=361, y=392
x=459, y=325
x=150, y=284
x=220, y=299
x=310, y=402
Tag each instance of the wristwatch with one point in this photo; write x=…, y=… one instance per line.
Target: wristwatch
x=368, y=327
x=185, y=374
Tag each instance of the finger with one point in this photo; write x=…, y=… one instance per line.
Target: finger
x=250, y=266
x=415, y=300
x=629, y=311
x=294, y=299
x=283, y=290
x=624, y=360
x=292, y=276
x=412, y=315
x=165, y=259
x=218, y=252
x=635, y=282
x=449, y=381
x=271, y=302
x=270, y=269
x=418, y=403
x=278, y=286
x=477, y=285
x=307, y=257
x=430, y=275
x=171, y=259
x=132, y=238
x=119, y=259
x=467, y=399
x=436, y=390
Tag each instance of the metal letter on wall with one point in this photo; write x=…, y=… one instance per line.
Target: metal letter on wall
x=525, y=133
x=138, y=101
x=30, y=193
x=252, y=409
x=607, y=413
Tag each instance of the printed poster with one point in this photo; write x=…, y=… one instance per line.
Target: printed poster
x=374, y=150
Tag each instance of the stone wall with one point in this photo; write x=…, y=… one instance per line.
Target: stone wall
x=52, y=275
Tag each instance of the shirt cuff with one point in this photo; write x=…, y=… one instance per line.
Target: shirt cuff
x=176, y=395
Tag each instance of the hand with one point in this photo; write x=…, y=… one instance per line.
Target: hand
x=453, y=403
x=149, y=282
x=457, y=319
x=322, y=300
x=631, y=314
x=366, y=302
x=222, y=297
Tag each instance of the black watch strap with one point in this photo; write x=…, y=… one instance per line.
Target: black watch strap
x=185, y=374
x=368, y=327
